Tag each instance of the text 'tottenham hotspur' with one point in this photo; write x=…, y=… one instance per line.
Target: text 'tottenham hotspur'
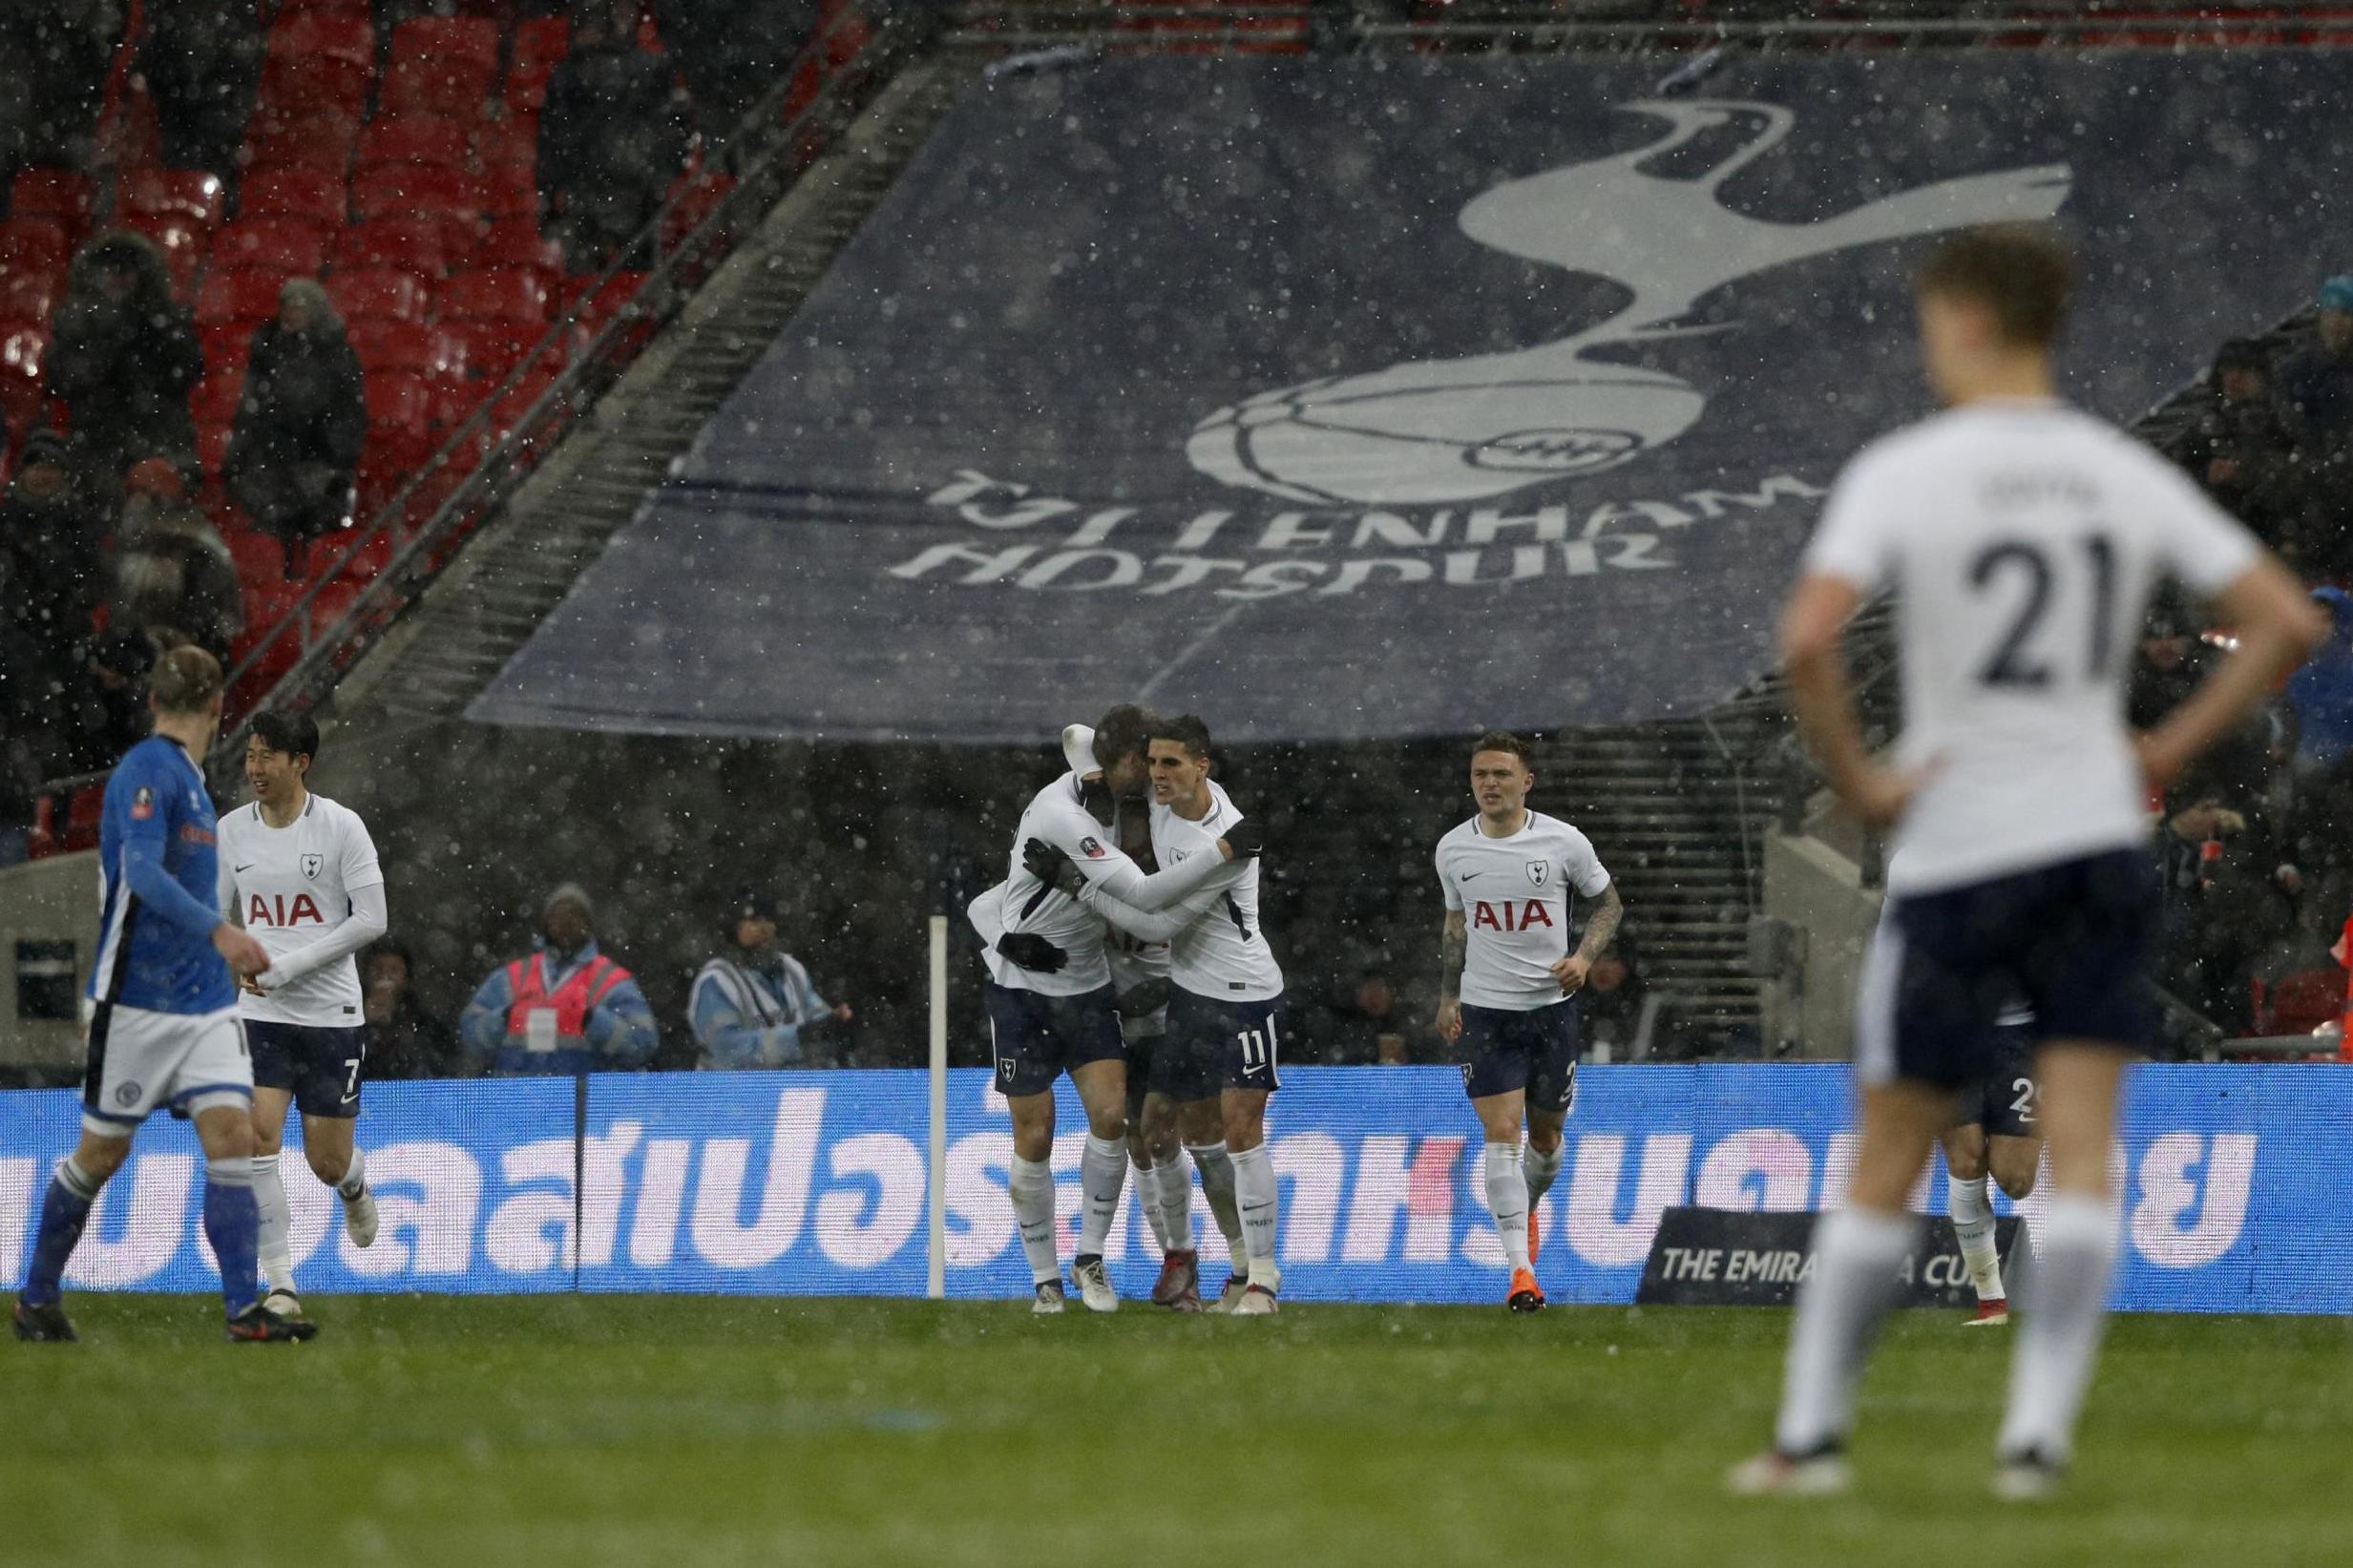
x=1047, y=544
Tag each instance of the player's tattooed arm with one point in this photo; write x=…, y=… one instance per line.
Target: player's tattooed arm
x=1454, y=948
x=1601, y=926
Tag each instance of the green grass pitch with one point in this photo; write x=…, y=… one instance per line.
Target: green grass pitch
x=689, y=1430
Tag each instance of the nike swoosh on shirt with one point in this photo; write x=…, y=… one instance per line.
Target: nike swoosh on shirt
x=1467, y=875
x=242, y=870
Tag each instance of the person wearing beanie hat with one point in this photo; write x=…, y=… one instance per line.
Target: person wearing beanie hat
x=565, y=1010
x=754, y=1005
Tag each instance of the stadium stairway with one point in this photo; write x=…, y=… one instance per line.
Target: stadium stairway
x=473, y=618
x=1678, y=812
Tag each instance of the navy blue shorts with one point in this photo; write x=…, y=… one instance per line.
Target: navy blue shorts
x=2003, y=1102
x=320, y=1066
x=1505, y=1049
x=2073, y=939
x=1213, y=1045
x=1038, y=1037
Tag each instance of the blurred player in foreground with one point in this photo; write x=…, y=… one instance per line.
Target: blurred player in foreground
x=1050, y=1002
x=2023, y=539
x=1509, y=984
x=163, y=1028
x=298, y=872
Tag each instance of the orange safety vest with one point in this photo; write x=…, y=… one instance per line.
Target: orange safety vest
x=570, y=1002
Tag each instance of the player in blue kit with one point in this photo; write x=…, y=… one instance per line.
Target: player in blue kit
x=164, y=1029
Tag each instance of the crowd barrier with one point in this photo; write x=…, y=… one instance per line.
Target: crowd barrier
x=2233, y=1178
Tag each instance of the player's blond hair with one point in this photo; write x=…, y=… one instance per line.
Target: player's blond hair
x=184, y=681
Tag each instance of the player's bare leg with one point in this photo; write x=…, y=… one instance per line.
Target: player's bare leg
x=1030, y=1183
x=1539, y=1166
x=1856, y=1252
x=2050, y=1367
x=1257, y=1193
x=1202, y=1123
x=340, y=1164
x=1102, y=1171
x=1507, y=1191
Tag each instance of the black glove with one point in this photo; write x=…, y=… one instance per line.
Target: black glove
x=1051, y=867
x=1247, y=839
x=1026, y=949
x=1143, y=999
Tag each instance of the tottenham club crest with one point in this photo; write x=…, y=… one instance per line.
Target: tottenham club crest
x=1535, y=873
x=311, y=865
x=1440, y=431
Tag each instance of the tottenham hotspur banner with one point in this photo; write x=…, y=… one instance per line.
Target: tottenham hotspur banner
x=1320, y=396
x=817, y=1184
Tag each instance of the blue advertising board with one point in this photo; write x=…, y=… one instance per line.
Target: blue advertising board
x=817, y=1184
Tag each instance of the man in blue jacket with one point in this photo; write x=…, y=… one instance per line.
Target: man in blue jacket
x=755, y=1005
x=565, y=1010
x=162, y=1009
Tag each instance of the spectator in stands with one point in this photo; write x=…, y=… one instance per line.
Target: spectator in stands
x=2316, y=392
x=1362, y=1022
x=566, y=1009
x=124, y=358
x=50, y=535
x=613, y=137
x=171, y=571
x=300, y=423
x=404, y=1040
x=61, y=51
x=2238, y=448
x=202, y=61
x=732, y=52
x=2322, y=692
x=754, y=1005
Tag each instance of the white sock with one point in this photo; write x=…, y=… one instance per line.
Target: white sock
x=276, y=1249
x=1541, y=1168
x=1971, y=1207
x=1102, y=1171
x=2066, y=1313
x=1257, y=1193
x=1031, y=1183
x=1176, y=1204
x=1507, y=1200
x=1147, y=1190
x=1856, y=1255
x=355, y=1179
x=1216, y=1167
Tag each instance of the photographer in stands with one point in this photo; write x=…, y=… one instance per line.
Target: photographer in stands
x=567, y=1009
x=754, y=1005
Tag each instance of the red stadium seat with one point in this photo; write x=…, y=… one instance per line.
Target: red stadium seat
x=510, y=196
x=319, y=84
x=84, y=817
x=29, y=297
x=214, y=399
x=35, y=243
x=510, y=143
x=408, y=348
x=541, y=43
x=399, y=190
x=60, y=194
x=399, y=419
x=412, y=243
x=212, y=446
x=378, y=294
x=227, y=348
x=594, y=301
x=260, y=559
x=315, y=195
x=192, y=194
x=238, y=296
x=519, y=244
x=433, y=141
x=514, y=295
x=486, y=351
x=320, y=141
x=292, y=247
x=316, y=32
x=470, y=42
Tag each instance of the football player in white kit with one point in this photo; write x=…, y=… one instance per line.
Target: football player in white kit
x=1509, y=982
x=1223, y=1037
x=1050, y=1000
x=2023, y=539
x=298, y=872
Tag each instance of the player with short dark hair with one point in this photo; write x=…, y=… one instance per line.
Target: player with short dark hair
x=1218, y=1061
x=1050, y=1000
x=298, y=872
x=1508, y=983
x=161, y=1023
x=2023, y=540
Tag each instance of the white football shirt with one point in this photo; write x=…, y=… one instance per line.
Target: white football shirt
x=2023, y=539
x=1028, y=906
x=1222, y=952
x=1517, y=895
x=292, y=886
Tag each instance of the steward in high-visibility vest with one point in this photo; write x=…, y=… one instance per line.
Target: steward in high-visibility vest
x=567, y=1009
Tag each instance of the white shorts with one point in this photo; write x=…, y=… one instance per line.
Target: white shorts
x=141, y=1062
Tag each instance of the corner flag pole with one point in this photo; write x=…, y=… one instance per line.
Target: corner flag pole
x=937, y=1280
